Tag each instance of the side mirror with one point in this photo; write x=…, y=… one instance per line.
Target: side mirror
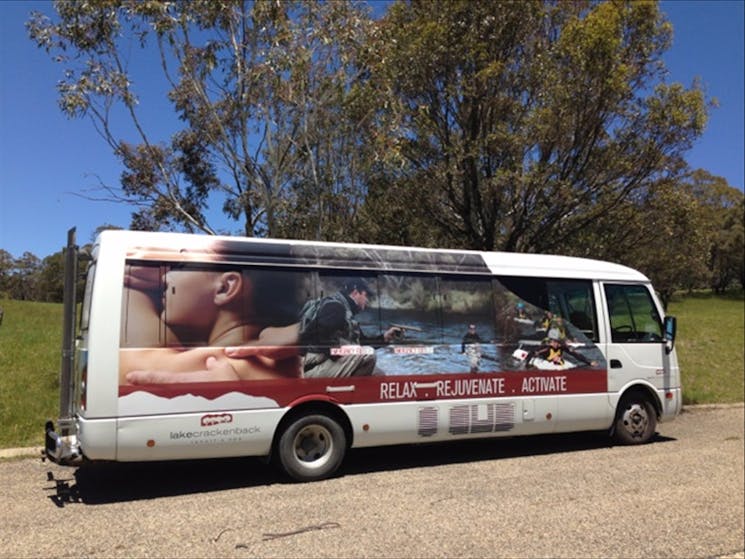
x=671, y=326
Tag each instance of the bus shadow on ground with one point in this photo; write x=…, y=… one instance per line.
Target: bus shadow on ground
x=104, y=483
x=111, y=482
x=366, y=460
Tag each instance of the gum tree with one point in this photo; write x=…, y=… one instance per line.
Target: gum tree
x=259, y=90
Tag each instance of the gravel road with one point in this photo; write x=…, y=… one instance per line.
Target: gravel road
x=547, y=496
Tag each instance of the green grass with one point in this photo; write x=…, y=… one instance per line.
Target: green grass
x=710, y=349
x=710, y=346
x=30, y=340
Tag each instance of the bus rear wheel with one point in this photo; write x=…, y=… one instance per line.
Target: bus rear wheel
x=311, y=447
x=636, y=420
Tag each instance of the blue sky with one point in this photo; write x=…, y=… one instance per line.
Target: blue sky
x=45, y=158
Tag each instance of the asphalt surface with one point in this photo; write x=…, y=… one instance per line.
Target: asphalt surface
x=546, y=496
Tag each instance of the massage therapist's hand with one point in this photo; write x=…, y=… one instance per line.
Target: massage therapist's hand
x=216, y=370
x=276, y=343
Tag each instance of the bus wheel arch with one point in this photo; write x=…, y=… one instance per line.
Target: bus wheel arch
x=636, y=416
x=311, y=441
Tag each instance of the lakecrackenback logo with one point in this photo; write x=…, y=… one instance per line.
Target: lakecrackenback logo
x=215, y=430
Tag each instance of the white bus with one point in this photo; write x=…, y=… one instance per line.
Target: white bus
x=193, y=346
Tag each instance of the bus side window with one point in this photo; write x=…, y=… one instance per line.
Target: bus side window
x=411, y=303
x=570, y=300
x=142, y=306
x=575, y=303
x=334, y=288
x=278, y=294
x=311, y=294
x=633, y=316
x=467, y=301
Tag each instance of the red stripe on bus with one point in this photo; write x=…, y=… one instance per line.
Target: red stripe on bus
x=381, y=389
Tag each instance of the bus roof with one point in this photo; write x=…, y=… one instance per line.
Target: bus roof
x=549, y=265
x=173, y=246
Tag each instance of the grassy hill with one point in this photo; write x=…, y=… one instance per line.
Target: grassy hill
x=710, y=347
x=30, y=339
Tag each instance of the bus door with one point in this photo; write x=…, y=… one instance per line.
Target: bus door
x=635, y=344
x=582, y=403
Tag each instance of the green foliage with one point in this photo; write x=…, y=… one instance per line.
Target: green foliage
x=27, y=278
x=30, y=279
x=520, y=126
x=663, y=235
x=721, y=210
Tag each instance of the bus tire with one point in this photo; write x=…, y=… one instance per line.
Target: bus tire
x=636, y=420
x=311, y=447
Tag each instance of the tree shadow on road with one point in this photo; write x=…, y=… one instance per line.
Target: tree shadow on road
x=102, y=483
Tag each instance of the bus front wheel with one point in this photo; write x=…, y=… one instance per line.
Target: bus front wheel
x=636, y=420
x=311, y=447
